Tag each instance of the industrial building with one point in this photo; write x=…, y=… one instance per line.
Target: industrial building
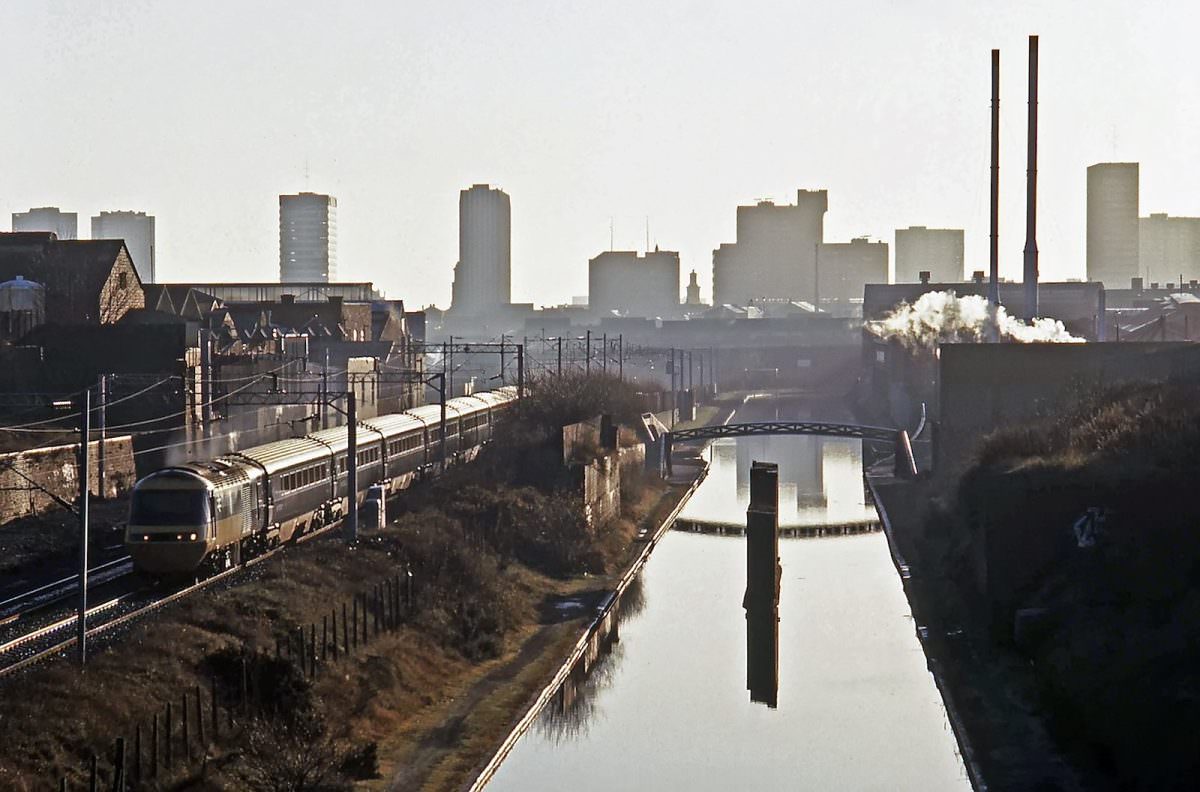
x=1112, y=223
x=64, y=225
x=137, y=229
x=483, y=274
x=634, y=285
x=937, y=251
x=307, y=238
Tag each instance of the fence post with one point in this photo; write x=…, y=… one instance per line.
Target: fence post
x=324, y=638
x=333, y=621
x=364, y=615
x=409, y=585
x=92, y=777
x=345, y=631
x=312, y=650
x=199, y=721
x=375, y=608
x=170, y=756
x=62, y=784
x=183, y=720
x=154, y=748
x=245, y=688
x=216, y=720
x=118, y=781
x=137, y=753
x=355, y=614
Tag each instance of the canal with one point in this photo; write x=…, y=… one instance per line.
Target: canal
x=668, y=706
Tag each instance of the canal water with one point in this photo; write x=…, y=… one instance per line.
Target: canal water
x=686, y=700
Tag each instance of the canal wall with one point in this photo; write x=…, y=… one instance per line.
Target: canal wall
x=590, y=644
x=878, y=486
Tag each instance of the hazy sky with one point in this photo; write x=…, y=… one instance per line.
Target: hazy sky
x=202, y=113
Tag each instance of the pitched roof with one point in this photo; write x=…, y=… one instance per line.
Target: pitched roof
x=74, y=264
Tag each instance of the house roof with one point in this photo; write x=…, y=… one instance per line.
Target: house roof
x=60, y=265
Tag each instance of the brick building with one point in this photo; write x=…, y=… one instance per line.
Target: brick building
x=87, y=281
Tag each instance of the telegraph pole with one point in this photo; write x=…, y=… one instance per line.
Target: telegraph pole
x=84, y=431
x=560, y=356
x=588, y=369
x=351, y=462
x=621, y=357
x=521, y=371
x=101, y=419
x=604, y=365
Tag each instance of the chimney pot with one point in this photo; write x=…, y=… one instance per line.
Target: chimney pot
x=924, y=276
x=977, y=276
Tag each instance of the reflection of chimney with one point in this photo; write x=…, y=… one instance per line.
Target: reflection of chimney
x=1031, y=251
x=994, y=284
x=977, y=276
x=924, y=276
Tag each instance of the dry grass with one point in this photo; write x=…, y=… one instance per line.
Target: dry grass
x=394, y=693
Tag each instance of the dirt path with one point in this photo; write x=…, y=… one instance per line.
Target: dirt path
x=472, y=717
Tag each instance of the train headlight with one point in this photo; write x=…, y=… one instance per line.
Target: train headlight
x=192, y=537
x=145, y=537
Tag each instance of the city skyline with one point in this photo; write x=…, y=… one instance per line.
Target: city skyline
x=615, y=134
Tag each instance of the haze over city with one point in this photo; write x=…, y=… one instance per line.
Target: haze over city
x=678, y=113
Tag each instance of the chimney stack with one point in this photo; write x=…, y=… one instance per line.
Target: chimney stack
x=994, y=283
x=1031, y=251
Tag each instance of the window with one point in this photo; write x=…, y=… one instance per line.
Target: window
x=122, y=280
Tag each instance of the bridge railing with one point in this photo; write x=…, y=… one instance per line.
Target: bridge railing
x=905, y=462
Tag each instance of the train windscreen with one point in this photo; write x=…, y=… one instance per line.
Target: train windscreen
x=169, y=507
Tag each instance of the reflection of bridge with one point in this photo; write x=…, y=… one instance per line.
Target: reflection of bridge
x=905, y=464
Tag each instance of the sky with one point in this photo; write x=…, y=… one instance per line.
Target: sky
x=590, y=115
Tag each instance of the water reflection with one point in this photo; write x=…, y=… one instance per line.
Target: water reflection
x=574, y=706
x=762, y=653
x=820, y=482
x=849, y=700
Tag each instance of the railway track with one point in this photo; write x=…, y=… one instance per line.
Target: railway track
x=58, y=636
x=22, y=606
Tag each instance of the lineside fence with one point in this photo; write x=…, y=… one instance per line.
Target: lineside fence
x=183, y=732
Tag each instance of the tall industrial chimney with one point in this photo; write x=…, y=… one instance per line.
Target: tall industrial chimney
x=1031, y=251
x=994, y=283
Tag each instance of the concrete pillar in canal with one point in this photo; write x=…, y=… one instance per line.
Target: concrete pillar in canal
x=761, y=600
x=762, y=535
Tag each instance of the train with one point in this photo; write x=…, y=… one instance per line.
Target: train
x=218, y=513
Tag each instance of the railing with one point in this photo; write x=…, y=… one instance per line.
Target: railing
x=905, y=465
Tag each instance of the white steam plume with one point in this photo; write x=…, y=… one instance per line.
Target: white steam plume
x=944, y=317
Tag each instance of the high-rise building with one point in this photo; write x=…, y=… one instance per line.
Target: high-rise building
x=483, y=274
x=938, y=251
x=1112, y=223
x=64, y=225
x=137, y=229
x=307, y=238
x=845, y=267
x=775, y=254
x=633, y=285
x=1168, y=247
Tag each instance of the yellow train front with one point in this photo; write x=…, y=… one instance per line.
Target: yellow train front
x=171, y=521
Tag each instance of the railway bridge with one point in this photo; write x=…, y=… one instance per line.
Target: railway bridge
x=906, y=466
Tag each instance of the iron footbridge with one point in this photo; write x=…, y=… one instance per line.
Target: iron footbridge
x=899, y=438
x=822, y=428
